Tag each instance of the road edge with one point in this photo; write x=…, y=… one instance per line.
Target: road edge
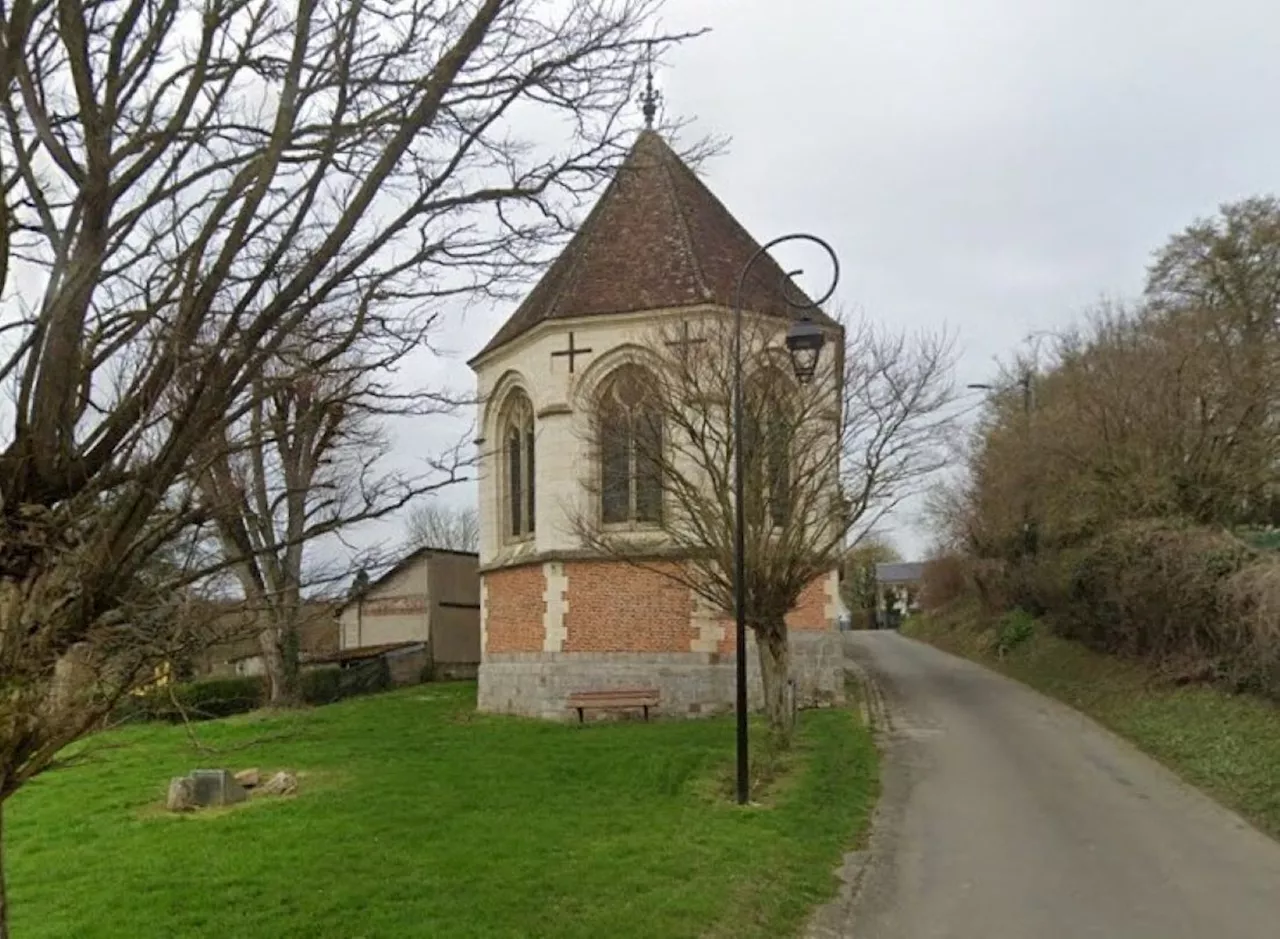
x=832, y=920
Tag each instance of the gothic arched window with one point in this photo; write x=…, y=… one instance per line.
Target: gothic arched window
x=518, y=466
x=769, y=431
x=630, y=448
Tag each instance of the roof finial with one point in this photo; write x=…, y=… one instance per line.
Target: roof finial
x=651, y=96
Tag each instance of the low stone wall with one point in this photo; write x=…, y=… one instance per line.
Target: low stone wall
x=454, y=671
x=405, y=665
x=689, y=683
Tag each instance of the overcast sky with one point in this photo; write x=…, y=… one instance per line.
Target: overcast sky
x=994, y=166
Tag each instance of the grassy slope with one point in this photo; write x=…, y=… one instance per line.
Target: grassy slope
x=1228, y=745
x=420, y=818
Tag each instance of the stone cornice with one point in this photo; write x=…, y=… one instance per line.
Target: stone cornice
x=559, y=325
x=583, y=554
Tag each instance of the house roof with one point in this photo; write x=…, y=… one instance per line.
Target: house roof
x=903, y=572
x=365, y=652
x=656, y=239
x=233, y=628
x=407, y=561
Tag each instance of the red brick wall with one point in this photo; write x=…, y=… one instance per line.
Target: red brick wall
x=514, y=609
x=810, y=613
x=615, y=607
x=811, y=610
x=728, y=636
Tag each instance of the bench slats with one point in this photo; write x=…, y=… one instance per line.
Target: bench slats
x=614, y=699
x=627, y=694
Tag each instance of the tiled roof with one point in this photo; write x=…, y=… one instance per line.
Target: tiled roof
x=657, y=238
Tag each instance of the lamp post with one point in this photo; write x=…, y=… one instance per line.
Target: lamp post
x=1028, y=404
x=804, y=342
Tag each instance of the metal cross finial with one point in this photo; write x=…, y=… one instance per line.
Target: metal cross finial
x=651, y=96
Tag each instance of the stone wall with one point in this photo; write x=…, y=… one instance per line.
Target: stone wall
x=689, y=684
x=405, y=666
x=454, y=671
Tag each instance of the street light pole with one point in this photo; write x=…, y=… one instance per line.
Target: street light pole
x=804, y=342
x=1028, y=405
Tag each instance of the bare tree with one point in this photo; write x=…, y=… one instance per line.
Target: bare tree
x=303, y=463
x=1141, y=411
x=187, y=186
x=825, y=462
x=436, y=525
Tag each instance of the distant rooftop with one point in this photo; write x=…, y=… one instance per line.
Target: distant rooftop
x=900, y=572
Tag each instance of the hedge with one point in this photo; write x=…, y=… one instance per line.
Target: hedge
x=213, y=698
x=197, y=700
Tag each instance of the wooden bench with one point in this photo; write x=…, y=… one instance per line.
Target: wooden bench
x=618, y=699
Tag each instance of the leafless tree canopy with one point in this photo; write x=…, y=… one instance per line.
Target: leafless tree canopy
x=437, y=525
x=1162, y=407
x=824, y=461
x=306, y=461
x=1147, y=462
x=191, y=186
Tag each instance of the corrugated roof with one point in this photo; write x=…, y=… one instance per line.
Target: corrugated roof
x=657, y=238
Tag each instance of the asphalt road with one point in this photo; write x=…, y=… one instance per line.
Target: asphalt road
x=1006, y=815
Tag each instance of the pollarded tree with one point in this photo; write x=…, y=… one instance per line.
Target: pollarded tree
x=824, y=462
x=187, y=186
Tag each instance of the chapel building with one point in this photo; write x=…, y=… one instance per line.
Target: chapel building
x=555, y=617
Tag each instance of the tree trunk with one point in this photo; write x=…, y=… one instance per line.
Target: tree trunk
x=4, y=899
x=775, y=675
x=280, y=661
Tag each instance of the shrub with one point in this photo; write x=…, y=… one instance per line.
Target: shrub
x=1253, y=596
x=197, y=700
x=366, y=677
x=1200, y=604
x=1014, y=629
x=222, y=697
x=990, y=579
x=944, y=580
x=1157, y=591
x=321, y=685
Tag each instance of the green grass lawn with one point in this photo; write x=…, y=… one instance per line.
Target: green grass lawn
x=417, y=817
x=1228, y=745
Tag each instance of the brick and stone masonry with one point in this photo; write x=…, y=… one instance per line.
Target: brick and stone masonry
x=658, y=248
x=553, y=628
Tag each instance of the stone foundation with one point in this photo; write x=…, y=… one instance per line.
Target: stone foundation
x=455, y=671
x=689, y=683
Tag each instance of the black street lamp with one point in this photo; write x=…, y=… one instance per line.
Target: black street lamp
x=804, y=342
